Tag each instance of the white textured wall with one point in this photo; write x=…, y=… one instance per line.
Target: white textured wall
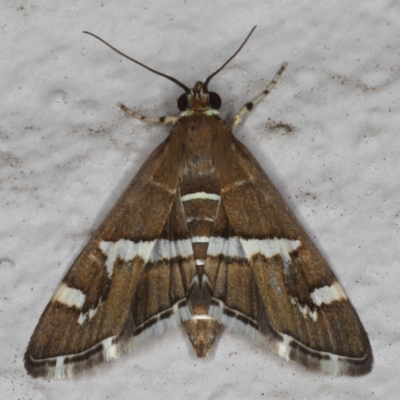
x=67, y=152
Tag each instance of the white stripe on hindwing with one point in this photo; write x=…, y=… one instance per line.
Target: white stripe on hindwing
x=111, y=348
x=247, y=248
x=157, y=250
x=285, y=346
x=152, y=251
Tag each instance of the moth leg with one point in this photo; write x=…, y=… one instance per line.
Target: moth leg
x=161, y=120
x=237, y=118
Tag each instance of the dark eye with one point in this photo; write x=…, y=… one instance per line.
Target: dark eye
x=182, y=102
x=215, y=100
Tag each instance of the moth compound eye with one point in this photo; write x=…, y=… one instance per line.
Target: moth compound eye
x=182, y=102
x=215, y=100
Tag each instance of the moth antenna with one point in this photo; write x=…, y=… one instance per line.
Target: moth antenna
x=227, y=62
x=184, y=87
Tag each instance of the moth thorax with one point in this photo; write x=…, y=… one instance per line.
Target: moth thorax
x=202, y=333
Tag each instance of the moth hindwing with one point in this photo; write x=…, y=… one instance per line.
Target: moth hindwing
x=200, y=237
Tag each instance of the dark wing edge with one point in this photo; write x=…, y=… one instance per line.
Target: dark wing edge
x=263, y=334
x=129, y=283
x=272, y=285
x=110, y=348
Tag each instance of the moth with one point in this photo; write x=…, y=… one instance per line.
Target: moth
x=202, y=238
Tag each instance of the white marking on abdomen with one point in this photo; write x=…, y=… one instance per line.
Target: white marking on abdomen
x=200, y=196
x=69, y=296
x=200, y=262
x=200, y=239
x=190, y=219
x=328, y=294
x=201, y=317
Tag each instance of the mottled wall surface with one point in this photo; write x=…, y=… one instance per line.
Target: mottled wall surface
x=328, y=137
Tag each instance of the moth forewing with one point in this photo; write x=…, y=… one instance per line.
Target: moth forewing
x=200, y=237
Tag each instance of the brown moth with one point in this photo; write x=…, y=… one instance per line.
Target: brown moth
x=203, y=238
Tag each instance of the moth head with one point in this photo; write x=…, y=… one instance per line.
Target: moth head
x=199, y=99
x=196, y=99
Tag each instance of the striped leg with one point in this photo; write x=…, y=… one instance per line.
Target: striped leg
x=237, y=119
x=162, y=120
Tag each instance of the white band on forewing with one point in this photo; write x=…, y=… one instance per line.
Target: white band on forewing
x=328, y=294
x=69, y=296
